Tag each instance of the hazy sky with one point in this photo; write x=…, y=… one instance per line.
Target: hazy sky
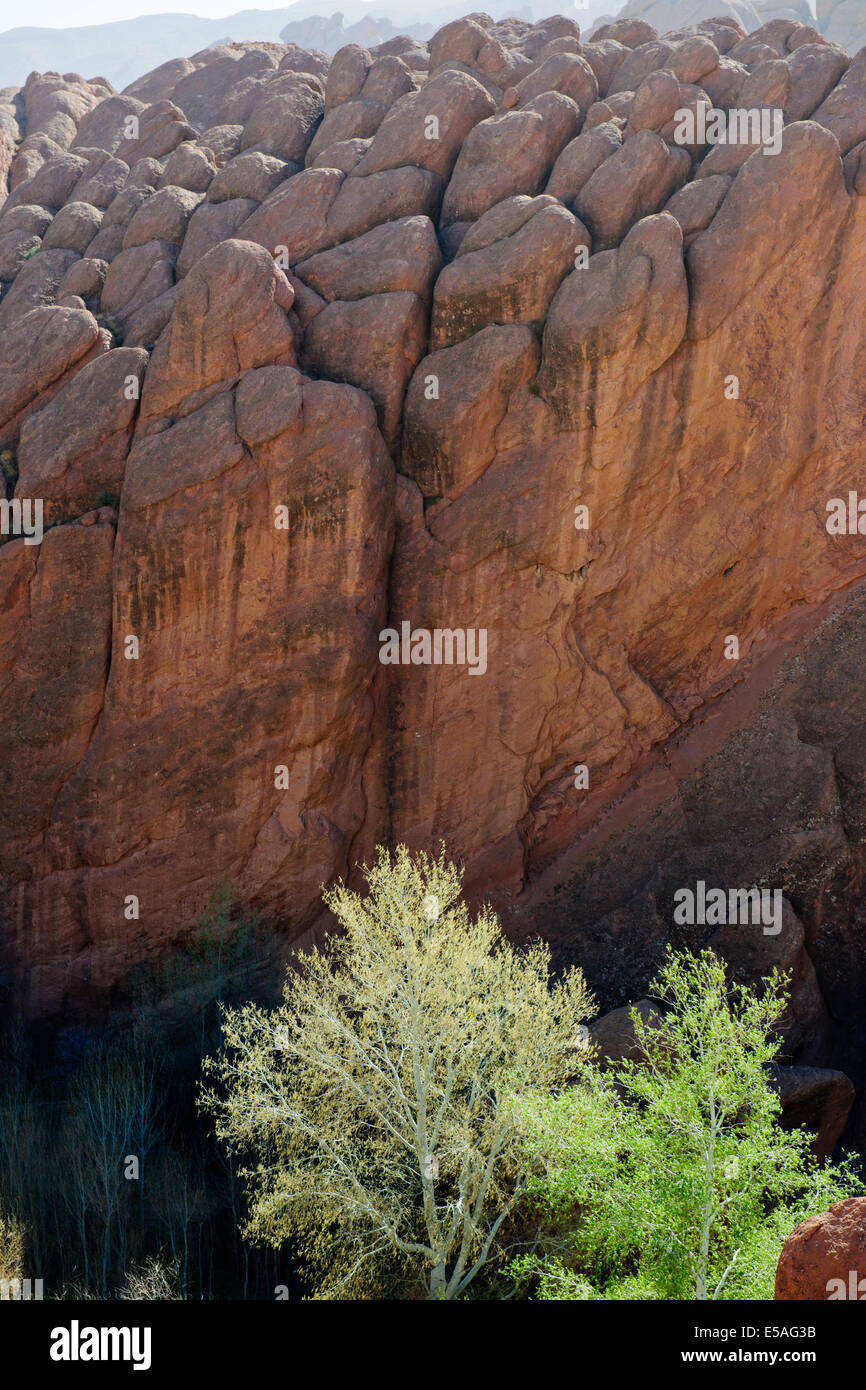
x=60, y=14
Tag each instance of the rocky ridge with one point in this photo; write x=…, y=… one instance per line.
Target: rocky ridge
x=297, y=349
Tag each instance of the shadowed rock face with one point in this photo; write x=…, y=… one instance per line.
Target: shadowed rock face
x=458, y=336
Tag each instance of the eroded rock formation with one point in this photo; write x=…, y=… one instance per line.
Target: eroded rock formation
x=296, y=351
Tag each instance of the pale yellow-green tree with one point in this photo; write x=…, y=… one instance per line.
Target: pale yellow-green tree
x=11, y=1248
x=376, y=1106
x=155, y=1279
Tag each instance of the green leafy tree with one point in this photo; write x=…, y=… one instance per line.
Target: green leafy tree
x=375, y=1105
x=674, y=1168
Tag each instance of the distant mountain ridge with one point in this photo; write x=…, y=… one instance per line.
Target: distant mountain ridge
x=330, y=33
x=121, y=51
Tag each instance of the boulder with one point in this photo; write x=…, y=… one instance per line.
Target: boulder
x=506, y=271
x=815, y=70
x=50, y=185
x=162, y=126
x=346, y=75
x=354, y=120
x=284, y=117
x=107, y=124
x=100, y=183
x=75, y=448
x=35, y=284
x=346, y=155
x=612, y=325
x=295, y=214
x=638, y=64
x=224, y=142
x=210, y=224
x=427, y=129
x=249, y=175
x=230, y=315
x=164, y=217
x=400, y=255
x=816, y=1100
x=568, y=73
x=17, y=246
x=580, y=159
x=696, y=204
x=84, y=278
x=364, y=203
x=615, y=1036
x=375, y=343
x=655, y=101
x=635, y=181
x=507, y=154
x=189, y=166
x=604, y=57
x=843, y=113
x=822, y=1254
x=159, y=84
x=693, y=58
x=630, y=31
x=36, y=353
x=201, y=92
x=450, y=439
x=73, y=228
x=136, y=276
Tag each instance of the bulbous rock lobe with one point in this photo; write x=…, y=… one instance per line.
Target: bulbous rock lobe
x=614, y=324
x=230, y=315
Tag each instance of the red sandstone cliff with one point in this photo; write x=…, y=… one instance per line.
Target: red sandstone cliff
x=417, y=307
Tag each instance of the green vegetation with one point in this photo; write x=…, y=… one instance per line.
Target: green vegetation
x=676, y=1175
x=376, y=1105
x=420, y=1116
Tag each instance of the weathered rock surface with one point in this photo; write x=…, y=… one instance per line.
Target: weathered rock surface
x=361, y=339
x=816, y=1100
x=509, y=154
x=74, y=450
x=448, y=447
x=614, y=1035
x=635, y=181
x=401, y=255
x=375, y=343
x=821, y=1255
